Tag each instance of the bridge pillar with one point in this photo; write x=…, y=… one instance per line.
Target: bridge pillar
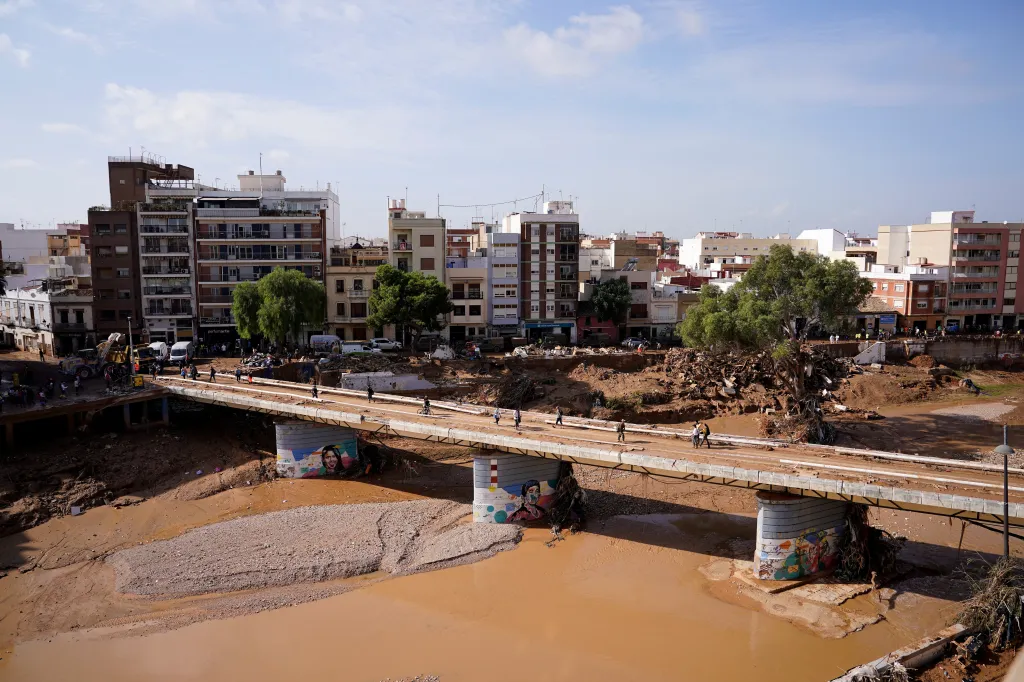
x=797, y=536
x=127, y=410
x=165, y=411
x=308, y=450
x=509, y=488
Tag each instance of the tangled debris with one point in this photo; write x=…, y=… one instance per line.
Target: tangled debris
x=375, y=362
x=569, y=507
x=996, y=606
x=866, y=552
x=512, y=391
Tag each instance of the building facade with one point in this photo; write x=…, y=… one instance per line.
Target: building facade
x=918, y=294
x=166, y=246
x=502, y=281
x=702, y=250
x=549, y=268
x=349, y=283
x=417, y=242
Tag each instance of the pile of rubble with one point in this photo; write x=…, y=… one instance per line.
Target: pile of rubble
x=261, y=360
x=539, y=351
x=514, y=390
x=374, y=362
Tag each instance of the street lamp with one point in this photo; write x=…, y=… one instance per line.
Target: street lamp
x=1005, y=450
x=131, y=355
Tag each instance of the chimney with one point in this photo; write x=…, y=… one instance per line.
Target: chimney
x=252, y=173
x=278, y=172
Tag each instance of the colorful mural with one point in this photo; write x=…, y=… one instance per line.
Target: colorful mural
x=525, y=502
x=788, y=559
x=316, y=451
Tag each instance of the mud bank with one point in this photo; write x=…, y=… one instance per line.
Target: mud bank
x=310, y=544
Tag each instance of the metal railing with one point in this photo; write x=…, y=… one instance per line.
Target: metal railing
x=181, y=250
x=166, y=291
x=964, y=290
x=164, y=312
x=991, y=240
x=403, y=246
x=70, y=326
x=163, y=229
x=228, y=212
x=303, y=255
x=217, y=320
x=160, y=270
x=359, y=293
x=165, y=207
x=467, y=296
x=991, y=258
x=214, y=277
x=977, y=274
x=212, y=298
x=953, y=307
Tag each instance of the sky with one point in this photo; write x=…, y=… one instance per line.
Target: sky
x=670, y=115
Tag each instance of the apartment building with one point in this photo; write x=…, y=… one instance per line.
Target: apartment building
x=502, y=286
x=114, y=240
x=17, y=245
x=708, y=247
x=917, y=293
x=983, y=260
x=243, y=234
x=66, y=241
x=549, y=268
x=166, y=238
x=349, y=283
x=25, y=319
x=417, y=242
x=458, y=240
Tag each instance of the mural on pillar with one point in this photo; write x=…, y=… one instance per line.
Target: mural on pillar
x=333, y=459
x=526, y=502
x=789, y=559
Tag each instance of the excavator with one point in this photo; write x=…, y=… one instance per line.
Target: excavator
x=110, y=354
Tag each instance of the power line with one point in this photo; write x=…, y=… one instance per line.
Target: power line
x=497, y=203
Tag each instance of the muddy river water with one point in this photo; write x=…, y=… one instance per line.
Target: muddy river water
x=626, y=602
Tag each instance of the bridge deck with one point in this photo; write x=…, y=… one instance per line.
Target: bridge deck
x=957, y=489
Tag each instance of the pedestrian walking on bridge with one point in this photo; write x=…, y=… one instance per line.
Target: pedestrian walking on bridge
x=238, y=375
x=517, y=417
x=705, y=431
x=315, y=393
x=621, y=430
x=369, y=392
x=213, y=374
x=497, y=416
x=558, y=416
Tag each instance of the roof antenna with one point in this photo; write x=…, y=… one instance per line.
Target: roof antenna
x=261, y=176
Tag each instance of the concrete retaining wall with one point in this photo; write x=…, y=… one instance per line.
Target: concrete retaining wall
x=957, y=351
x=508, y=488
x=306, y=450
x=797, y=536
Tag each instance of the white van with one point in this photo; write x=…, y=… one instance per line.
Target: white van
x=183, y=350
x=160, y=350
x=351, y=347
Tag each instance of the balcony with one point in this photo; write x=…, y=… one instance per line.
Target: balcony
x=166, y=291
x=967, y=290
x=217, y=321
x=217, y=277
x=963, y=306
x=163, y=229
x=70, y=327
x=175, y=250
x=257, y=234
x=469, y=295
x=166, y=270
x=402, y=246
x=165, y=207
x=965, y=241
x=210, y=299
x=167, y=312
x=977, y=256
x=359, y=293
x=228, y=212
x=302, y=256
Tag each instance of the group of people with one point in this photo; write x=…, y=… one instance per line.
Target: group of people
x=26, y=395
x=700, y=434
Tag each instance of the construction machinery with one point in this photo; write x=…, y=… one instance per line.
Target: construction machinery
x=111, y=354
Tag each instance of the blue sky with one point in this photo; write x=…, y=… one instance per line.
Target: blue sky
x=664, y=114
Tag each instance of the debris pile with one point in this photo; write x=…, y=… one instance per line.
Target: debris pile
x=997, y=606
x=538, y=350
x=867, y=552
x=261, y=360
x=512, y=391
x=374, y=362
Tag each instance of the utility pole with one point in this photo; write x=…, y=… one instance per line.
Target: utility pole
x=1005, y=450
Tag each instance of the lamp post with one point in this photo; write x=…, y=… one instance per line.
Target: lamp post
x=1005, y=450
x=131, y=354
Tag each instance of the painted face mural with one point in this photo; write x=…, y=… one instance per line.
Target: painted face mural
x=331, y=460
x=528, y=510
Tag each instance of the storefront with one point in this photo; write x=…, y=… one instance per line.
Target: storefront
x=535, y=331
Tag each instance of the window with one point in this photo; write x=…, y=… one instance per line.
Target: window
x=358, y=310
x=474, y=310
x=458, y=290
x=340, y=309
x=535, y=307
x=105, y=294
x=535, y=252
x=1008, y=301
x=123, y=273
x=63, y=316
x=1015, y=237
x=885, y=286
x=357, y=285
x=120, y=228
x=922, y=304
x=103, y=230
x=898, y=287
x=427, y=240
x=340, y=332
x=874, y=285
x=1013, y=254
x=105, y=273
x=121, y=250
x=1011, y=270
x=124, y=314
x=339, y=287
x=637, y=285
x=426, y=263
x=79, y=317
x=124, y=294
x=107, y=316
x=923, y=288
x=459, y=310
x=897, y=303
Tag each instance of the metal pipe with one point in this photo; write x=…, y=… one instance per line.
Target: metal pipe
x=1006, y=495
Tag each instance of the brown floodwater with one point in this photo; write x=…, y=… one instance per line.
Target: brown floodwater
x=595, y=606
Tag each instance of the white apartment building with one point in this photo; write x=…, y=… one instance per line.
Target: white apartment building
x=244, y=234
x=166, y=239
x=26, y=320
x=502, y=283
x=17, y=245
x=698, y=252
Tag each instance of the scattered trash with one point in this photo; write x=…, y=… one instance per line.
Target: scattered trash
x=75, y=511
x=217, y=470
x=199, y=472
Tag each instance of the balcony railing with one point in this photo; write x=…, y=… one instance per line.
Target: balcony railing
x=256, y=234
x=228, y=212
x=165, y=207
x=974, y=257
x=403, y=246
x=462, y=296
x=303, y=255
x=967, y=291
x=994, y=274
x=210, y=298
x=953, y=307
x=70, y=327
x=166, y=291
x=168, y=312
x=359, y=293
x=163, y=229
x=217, y=277
x=178, y=250
x=224, y=321
x=164, y=270
x=966, y=241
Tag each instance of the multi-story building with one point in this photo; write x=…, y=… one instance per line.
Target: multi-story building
x=549, y=268
x=243, y=234
x=702, y=250
x=166, y=237
x=114, y=241
x=17, y=245
x=25, y=319
x=349, y=283
x=467, y=281
x=502, y=286
x=918, y=293
x=66, y=241
x=72, y=322
x=983, y=259
x=417, y=242
x=458, y=240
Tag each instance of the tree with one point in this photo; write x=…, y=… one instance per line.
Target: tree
x=408, y=300
x=784, y=296
x=611, y=300
x=279, y=305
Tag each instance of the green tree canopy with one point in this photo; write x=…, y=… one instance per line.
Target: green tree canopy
x=278, y=305
x=408, y=300
x=611, y=300
x=783, y=296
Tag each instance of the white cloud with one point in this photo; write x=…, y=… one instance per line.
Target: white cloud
x=278, y=155
x=61, y=128
x=779, y=209
x=691, y=22
x=12, y=6
x=18, y=163
x=74, y=36
x=202, y=118
x=575, y=49
x=20, y=55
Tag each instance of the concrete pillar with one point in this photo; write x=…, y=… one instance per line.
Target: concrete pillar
x=797, y=536
x=510, y=488
x=127, y=410
x=165, y=411
x=71, y=423
x=9, y=433
x=308, y=450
